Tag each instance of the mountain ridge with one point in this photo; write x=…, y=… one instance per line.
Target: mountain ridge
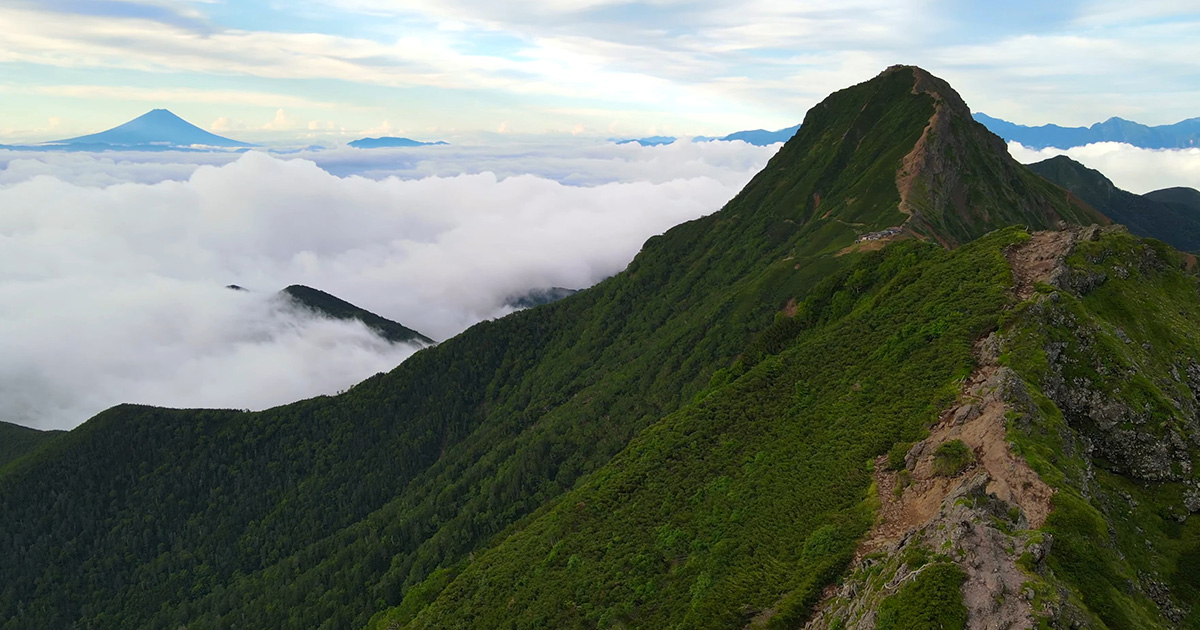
x=757, y=137
x=1180, y=135
x=390, y=141
x=331, y=306
x=1174, y=222
x=17, y=440
x=689, y=442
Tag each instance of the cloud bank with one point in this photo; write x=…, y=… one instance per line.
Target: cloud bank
x=112, y=268
x=1130, y=168
x=581, y=163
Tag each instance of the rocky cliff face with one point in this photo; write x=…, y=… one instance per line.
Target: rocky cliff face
x=1097, y=374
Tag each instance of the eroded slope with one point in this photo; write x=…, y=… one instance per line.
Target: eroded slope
x=1073, y=504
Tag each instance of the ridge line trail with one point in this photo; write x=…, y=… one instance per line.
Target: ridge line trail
x=1035, y=260
x=978, y=419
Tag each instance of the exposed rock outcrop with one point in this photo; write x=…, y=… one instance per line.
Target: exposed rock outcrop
x=1146, y=442
x=985, y=519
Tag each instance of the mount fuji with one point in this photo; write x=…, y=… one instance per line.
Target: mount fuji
x=156, y=129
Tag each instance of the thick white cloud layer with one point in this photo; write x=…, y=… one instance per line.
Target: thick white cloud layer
x=1130, y=168
x=112, y=268
x=585, y=162
x=104, y=169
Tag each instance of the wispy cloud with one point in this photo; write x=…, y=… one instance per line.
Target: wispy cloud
x=710, y=65
x=179, y=95
x=160, y=12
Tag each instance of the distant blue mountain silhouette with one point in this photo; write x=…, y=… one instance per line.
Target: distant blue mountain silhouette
x=649, y=141
x=762, y=137
x=1183, y=134
x=155, y=128
x=388, y=141
x=757, y=137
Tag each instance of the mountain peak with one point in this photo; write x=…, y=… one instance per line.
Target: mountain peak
x=926, y=82
x=331, y=306
x=902, y=150
x=156, y=128
x=951, y=180
x=160, y=113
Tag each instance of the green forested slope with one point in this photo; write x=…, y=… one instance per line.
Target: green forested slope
x=327, y=511
x=1182, y=197
x=752, y=498
x=1166, y=215
x=16, y=440
x=737, y=510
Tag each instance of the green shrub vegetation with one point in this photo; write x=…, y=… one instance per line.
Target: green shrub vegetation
x=931, y=601
x=895, y=455
x=753, y=497
x=1115, y=537
x=951, y=457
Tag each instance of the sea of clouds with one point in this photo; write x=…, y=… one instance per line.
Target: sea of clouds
x=113, y=265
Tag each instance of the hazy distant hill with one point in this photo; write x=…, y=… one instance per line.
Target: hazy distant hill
x=1171, y=215
x=337, y=308
x=1182, y=134
x=387, y=141
x=538, y=297
x=1180, y=197
x=762, y=137
x=758, y=137
x=156, y=128
x=651, y=141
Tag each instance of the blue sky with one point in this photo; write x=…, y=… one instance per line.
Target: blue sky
x=333, y=70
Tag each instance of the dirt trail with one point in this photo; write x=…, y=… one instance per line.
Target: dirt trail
x=1035, y=260
x=917, y=161
x=928, y=507
x=979, y=421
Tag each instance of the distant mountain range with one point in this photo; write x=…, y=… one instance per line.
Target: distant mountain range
x=162, y=130
x=757, y=137
x=388, y=142
x=1171, y=215
x=762, y=137
x=654, y=141
x=1180, y=135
